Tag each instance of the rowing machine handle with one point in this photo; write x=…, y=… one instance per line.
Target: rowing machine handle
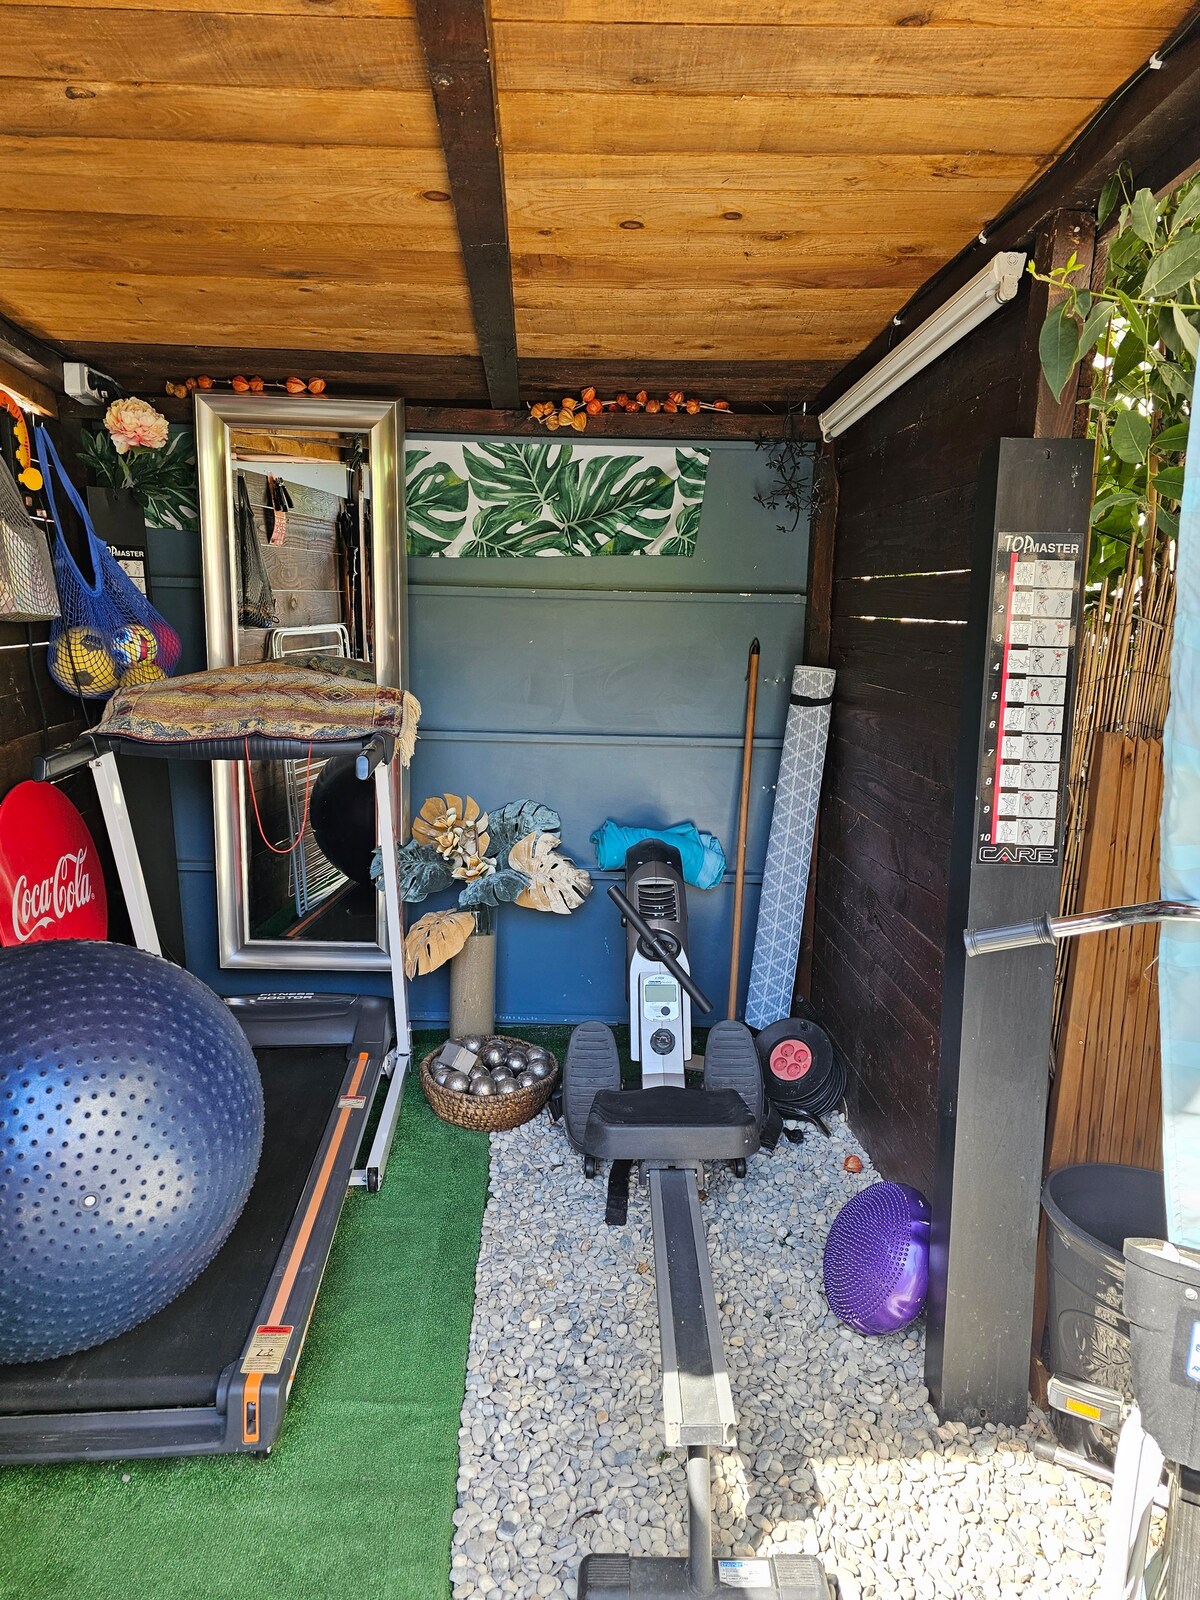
x=646, y=933
x=1016, y=936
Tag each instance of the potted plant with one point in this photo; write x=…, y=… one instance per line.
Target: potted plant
x=506, y=856
x=145, y=476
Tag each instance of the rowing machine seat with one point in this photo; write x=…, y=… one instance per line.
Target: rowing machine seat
x=670, y=1124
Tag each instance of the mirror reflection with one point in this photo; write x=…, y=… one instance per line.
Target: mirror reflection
x=302, y=570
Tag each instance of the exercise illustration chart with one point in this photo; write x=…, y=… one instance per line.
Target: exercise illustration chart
x=1034, y=620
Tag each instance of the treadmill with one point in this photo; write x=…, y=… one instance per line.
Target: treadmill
x=212, y=1372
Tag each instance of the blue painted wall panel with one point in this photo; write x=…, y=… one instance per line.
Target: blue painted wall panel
x=612, y=686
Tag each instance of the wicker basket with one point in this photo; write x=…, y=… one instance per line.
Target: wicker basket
x=487, y=1113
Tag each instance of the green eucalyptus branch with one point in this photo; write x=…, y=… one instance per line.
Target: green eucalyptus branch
x=1137, y=330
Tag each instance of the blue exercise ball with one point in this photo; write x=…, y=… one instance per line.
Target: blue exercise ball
x=131, y=1123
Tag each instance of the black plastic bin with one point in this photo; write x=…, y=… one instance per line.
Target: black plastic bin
x=1090, y=1211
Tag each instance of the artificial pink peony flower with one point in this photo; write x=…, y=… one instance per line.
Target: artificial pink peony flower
x=135, y=425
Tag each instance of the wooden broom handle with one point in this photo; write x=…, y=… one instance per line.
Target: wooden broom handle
x=739, y=879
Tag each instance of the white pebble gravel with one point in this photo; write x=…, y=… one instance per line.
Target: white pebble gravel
x=561, y=1445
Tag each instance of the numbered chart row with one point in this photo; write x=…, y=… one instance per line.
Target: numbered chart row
x=1031, y=747
x=1033, y=719
x=1041, y=803
x=1044, y=575
x=1024, y=830
x=1029, y=775
x=1051, y=603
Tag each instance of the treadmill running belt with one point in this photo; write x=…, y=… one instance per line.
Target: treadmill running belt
x=176, y=1358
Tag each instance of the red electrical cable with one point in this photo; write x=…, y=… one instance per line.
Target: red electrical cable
x=274, y=848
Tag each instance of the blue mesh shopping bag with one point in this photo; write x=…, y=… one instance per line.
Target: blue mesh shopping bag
x=108, y=633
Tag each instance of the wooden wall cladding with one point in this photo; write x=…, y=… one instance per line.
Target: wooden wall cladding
x=906, y=518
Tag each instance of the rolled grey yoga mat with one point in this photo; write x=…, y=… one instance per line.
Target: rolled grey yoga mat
x=789, y=847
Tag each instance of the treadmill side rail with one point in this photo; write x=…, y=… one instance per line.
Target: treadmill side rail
x=256, y=1391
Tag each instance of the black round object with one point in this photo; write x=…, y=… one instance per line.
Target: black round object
x=801, y=1073
x=342, y=814
x=131, y=1122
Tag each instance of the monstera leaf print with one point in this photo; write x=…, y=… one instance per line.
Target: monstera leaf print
x=518, y=487
x=435, y=503
x=519, y=498
x=616, y=505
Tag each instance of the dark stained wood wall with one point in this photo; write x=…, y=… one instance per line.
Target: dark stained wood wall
x=906, y=516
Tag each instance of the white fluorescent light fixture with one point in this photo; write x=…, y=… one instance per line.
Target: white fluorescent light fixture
x=973, y=304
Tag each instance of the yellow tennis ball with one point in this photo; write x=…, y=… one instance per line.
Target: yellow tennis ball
x=134, y=643
x=141, y=672
x=80, y=661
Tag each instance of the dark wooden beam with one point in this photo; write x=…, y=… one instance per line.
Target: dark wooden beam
x=1150, y=125
x=458, y=381
x=614, y=424
x=818, y=602
x=1067, y=234
x=457, y=44
x=743, y=383
x=30, y=355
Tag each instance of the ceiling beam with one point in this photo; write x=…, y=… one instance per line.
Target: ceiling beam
x=458, y=381
x=31, y=356
x=456, y=40
x=1149, y=124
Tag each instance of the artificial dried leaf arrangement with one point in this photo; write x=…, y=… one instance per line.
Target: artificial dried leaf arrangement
x=241, y=385
x=435, y=938
x=572, y=413
x=510, y=855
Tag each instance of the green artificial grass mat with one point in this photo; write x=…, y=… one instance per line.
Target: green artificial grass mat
x=358, y=1496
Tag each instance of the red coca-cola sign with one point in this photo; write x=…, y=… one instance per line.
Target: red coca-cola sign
x=51, y=886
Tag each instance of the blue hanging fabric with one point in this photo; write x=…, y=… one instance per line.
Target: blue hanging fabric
x=1179, y=943
x=108, y=633
x=701, y=854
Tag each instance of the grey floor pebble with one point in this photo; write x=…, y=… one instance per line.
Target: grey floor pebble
x=561, y=1447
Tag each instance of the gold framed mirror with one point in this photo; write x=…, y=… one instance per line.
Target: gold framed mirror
x=302, y=543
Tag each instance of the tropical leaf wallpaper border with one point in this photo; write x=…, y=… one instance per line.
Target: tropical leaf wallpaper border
x=518, y=497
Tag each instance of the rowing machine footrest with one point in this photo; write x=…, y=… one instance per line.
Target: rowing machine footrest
x=670, y=1124
x=731, y=1062
x=593, y=1064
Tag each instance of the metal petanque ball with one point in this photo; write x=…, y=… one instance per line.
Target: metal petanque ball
x=441, y=1072
x=537, y=1052
x=456, y=1082
x=542, y=1069
x=483, y=1086
x=472, y=1041
x=517, y=1061
x=494, y=1055
x=507, y=1085
x=527, y=1080
x=877, y=1258
x=131, y=1121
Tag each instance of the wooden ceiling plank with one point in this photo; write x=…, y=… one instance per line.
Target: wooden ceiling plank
x=330, y=186
x=387, y=9
x=211, y=47
x=816, y=124
x=729, y=172
x=762, y=60
x=1161, y=14
x=167, y=246
x=456, y=40
x=220, y=114
x=239, y=310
